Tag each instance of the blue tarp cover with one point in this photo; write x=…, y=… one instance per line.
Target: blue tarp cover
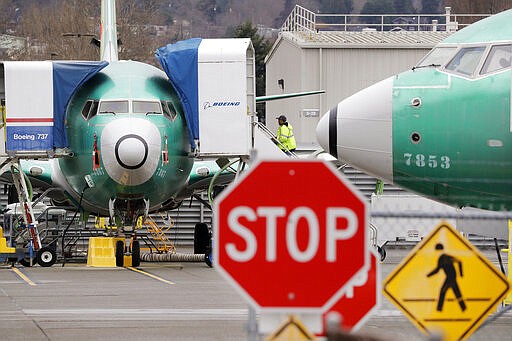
x=68, y=76
x=179, y=62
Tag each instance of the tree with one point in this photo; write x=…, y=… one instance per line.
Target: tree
x=208, y=8
x=285, y=12
x=336, y=6
x=46, y=38
x=9, y=14
x=261, y=49
x=376, y=7
x=135, y=28
x=67, y=37
x=403, y=7
x=430, y=6
x=478, y=7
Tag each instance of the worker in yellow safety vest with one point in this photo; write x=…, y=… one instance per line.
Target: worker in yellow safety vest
x=285, y=135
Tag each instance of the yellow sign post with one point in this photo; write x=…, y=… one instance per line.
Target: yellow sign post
x=508, y=299
x=445, y=285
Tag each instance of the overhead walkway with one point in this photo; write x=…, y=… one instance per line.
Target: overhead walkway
x=215, y=80
x=33, y=127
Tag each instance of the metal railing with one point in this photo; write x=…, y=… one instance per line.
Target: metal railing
x=304, y=20
x=273, y=137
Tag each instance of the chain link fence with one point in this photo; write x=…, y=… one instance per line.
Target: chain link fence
x=405, y=219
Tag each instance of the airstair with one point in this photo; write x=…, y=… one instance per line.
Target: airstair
x=12, y=164
x=267, y=146
x=161, y=242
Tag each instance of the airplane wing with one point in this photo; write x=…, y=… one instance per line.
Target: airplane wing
x=284, y=96
x=205, y=176
x=208, y=176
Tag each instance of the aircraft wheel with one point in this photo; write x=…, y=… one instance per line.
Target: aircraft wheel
x=119, y=253
x=46, y=257
x=382, y=253
x=12, y=260
x=135, y=253
x=201, y=238
x=26, y=262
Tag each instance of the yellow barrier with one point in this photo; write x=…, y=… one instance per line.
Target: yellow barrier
x=3, y=244
x=102, y=252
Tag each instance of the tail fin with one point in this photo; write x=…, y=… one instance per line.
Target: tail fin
x=108, y=31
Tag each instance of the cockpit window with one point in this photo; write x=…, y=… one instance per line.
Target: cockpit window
x=113, y=107
x=437, y=57
x=169, y=110
x=498, y=59
x=466, y=60
x=90, y=109
x=146, y=107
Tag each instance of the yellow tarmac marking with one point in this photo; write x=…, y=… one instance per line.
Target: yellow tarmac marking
x=149, y=275
x=23, y=276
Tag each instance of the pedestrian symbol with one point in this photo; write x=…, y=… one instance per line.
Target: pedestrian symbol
x=445, y=284
x=445, y=263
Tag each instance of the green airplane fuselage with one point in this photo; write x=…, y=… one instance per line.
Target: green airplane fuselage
x=126, y=81
x=442, y=129
x=456, y=146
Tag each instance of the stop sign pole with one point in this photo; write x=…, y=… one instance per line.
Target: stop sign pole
x=291, y=235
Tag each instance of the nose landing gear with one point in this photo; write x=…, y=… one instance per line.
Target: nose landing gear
x=127, y=212
x=128, y=252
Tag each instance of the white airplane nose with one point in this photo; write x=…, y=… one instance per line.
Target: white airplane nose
x=130, y=150
x=358, y=130
x=322, y=132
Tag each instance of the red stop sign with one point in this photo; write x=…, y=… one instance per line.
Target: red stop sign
x=360, y=299
x=290, y=234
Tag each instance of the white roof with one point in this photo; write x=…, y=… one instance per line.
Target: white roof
x=366, y=39
x=223, y=50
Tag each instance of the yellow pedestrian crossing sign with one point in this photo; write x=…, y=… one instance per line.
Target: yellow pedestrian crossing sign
x=445, y=285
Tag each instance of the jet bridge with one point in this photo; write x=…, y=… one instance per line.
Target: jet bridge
x=33, y=99
x=34, y=96
x=215, y=79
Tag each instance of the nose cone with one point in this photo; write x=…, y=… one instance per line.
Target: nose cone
x=130, y=150
x=358, y=130
x=326, y=132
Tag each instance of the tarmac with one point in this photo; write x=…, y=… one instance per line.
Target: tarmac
x=162, y=301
